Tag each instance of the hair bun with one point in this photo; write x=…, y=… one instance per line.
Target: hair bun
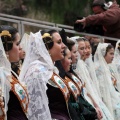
x=47, y=39
x=6, y=40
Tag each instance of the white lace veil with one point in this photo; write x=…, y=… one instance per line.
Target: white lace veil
x=91, y=68
x=5, y=76
x=37, y=69
x=116, y=64
x=117, y=54
x=108, y=93
x=24, y=42
x=83, y=73
x=36, y=50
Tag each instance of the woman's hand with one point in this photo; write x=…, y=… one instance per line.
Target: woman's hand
x=2, y=112
x=99, y=113
x=1, y=99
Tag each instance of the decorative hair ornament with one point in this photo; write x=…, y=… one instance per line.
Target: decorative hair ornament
x=5, y=33
x=47, y=40
x=46, y=35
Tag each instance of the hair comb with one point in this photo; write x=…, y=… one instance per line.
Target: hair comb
x=5, y=33
x=46, y=35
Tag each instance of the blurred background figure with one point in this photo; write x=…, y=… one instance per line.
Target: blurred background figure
x=103, y=12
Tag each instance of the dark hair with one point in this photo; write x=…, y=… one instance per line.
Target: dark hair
x=48, y=40
x=118, y=47
x=51, y=32
x=85, y=39
x=63, y=36
x=70, y=44
x=15, y=67
x=98, y=3
x=8, y=40
x=64, y=52
x=79, y=39
x=59, y=66
x=108, y=48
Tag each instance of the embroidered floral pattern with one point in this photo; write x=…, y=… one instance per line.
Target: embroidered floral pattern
x=38, y=102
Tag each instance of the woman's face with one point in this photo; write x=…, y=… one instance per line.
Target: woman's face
x=109, y=56
x=88, y=49
x=56, y=51
x=66, y=62
x=74, y=54
x=21, y=53
x=81, y=49
x=14, y=52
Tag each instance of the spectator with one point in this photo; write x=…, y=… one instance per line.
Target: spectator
x=105, y=14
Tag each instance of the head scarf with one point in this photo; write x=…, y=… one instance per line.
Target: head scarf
x=37, y=69
x=108, y=93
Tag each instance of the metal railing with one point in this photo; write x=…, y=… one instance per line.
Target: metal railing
x=22, y=23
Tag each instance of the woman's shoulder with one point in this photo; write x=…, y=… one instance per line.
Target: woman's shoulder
x=5, y=70
x=37, y=67
x=39, y=71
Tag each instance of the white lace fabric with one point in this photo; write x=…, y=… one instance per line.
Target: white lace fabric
x=116, y=64
x=35, y=81
x=5, y=77
x=83, y=73
x=117, y=54
x=37, y=69
x=107, y=91
x=24, y=42
x=91, y=69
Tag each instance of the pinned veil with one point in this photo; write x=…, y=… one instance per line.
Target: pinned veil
x=117, y=53
x=91, y=69
x=5, y=77
x=108, y=93
x=37, y=69
x=83, y=73
x=36, y=50
x=24, y=42
x=116, y=64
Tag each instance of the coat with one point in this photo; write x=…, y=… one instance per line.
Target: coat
x=109, y=19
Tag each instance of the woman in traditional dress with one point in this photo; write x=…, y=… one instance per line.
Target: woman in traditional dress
x=104, y=56
x=48, y=93
x=36, y=70
x=13, y=94
x=90, y=65
x=82, y=70
x=82, y=107
x=16, y=66
x=115, y=66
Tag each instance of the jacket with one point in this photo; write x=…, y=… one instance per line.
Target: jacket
x=109, y=19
